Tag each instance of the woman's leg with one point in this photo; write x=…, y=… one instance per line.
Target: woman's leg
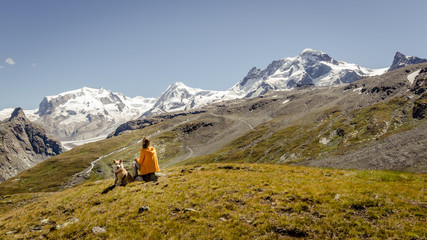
x=135, y=167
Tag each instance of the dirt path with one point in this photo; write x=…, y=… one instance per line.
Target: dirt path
x=191, y=152
x=229, y=117
x=250, y=126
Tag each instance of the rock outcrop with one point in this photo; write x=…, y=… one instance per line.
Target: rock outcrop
x=420, y=88
x=23, y=144
x=401, y=60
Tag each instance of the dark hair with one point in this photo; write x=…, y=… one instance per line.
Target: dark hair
x=146, y=142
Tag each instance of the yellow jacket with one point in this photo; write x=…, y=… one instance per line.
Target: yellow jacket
x=148, y=161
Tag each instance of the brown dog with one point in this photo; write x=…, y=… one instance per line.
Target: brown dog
x=122, y=176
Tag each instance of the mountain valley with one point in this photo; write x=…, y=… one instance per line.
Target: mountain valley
x=342, y=126
x=244, y=167
x=89, y=115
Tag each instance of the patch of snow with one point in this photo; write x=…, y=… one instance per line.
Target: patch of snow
x=6, y=113
x=411, y=77
x=286, y=101
x=358, y=89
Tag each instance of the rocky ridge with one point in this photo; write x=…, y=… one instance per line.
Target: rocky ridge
x=401, y=60
x=23, y=144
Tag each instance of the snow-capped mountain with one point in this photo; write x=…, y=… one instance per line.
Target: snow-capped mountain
x=87, y=112
x=311, y=67
x=178, y=97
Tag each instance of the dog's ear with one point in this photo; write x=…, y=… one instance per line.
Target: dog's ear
x=114, y=161
x=121, y=160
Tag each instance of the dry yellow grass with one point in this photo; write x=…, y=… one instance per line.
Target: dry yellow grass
x=228, y=201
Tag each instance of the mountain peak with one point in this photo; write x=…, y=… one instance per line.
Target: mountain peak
x=179, y=97
x=79, y=92
x=178, y=84
x=401, y=60
x=309, y=51
x=315, y=55
x=18, y=114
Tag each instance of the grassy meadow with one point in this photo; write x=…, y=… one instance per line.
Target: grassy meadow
x=227, y=201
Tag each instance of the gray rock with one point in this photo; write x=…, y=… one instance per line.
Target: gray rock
x=98, y=230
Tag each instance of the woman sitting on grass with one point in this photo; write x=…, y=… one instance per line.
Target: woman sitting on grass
x=147, y=163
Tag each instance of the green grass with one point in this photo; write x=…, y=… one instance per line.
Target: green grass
x=229, y=201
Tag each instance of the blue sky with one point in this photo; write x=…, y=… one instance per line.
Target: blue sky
x=140, y=47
